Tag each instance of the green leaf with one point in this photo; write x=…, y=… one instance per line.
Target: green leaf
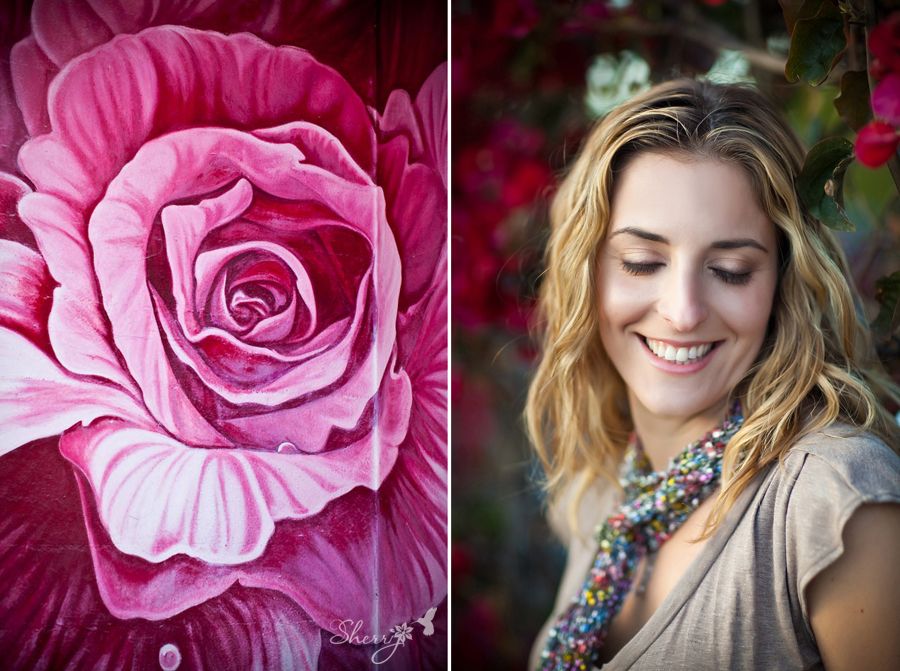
x=887, y=293
x=817, y=43
x=795, y=10
x=853, y=102
x=821, y=182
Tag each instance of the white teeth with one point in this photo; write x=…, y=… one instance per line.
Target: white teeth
x=678, y=354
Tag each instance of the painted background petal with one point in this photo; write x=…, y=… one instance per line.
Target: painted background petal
x=14, y=25
x=338, y=33
x=32, y=72
x=39, y=399
x=51, y=609
x=24, y=290
x=412, y=170
x=423, y=123
x=12, y=190
x=431, y=105
x=417, y=211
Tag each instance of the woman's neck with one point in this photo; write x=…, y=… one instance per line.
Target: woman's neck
x=663, y=437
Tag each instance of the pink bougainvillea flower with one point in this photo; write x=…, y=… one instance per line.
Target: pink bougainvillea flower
x=884, y=43
x=876, y=143
x=886, y=99
x=245, y=352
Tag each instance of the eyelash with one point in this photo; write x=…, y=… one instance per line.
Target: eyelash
x=649, y=268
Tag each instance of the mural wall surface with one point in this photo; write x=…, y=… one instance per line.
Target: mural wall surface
x=223, y=314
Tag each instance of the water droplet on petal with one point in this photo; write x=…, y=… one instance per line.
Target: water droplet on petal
x=287, y=448
x=169, y=657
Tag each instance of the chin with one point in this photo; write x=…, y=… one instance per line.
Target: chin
x=678, y=406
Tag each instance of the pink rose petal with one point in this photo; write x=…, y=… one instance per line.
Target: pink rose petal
x=39, y=399
x=171, y=77
x=431, y=104
x=339, y=33
x=158, y=497
x=120, y=228
x=275, y=328
x=78, y=331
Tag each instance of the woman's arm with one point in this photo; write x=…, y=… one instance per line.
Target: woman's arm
x=854, y=604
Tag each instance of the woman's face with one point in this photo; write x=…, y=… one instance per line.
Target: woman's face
x=687, y=277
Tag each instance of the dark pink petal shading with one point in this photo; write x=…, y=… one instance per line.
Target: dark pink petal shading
x=12, y=190
x=58, y=28
x=170, y=77
x=424, y=124
x=14, y=25
x=24, y=290
x=39, y=399
x=412, y=170
x=52, y=614
x=418, y=214
x=32, y=72
x=431, y=103
x=199, y=278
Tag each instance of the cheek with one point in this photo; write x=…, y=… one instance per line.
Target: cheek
x=622, y=300
x=749, y=317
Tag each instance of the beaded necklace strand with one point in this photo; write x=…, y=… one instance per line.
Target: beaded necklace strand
x=656, y=504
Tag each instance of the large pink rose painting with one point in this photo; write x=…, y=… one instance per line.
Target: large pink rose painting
x=223, y=324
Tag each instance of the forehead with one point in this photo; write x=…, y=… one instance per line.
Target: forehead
x=688, y=197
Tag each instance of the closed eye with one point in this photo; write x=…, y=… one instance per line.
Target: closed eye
x=731, y=278
x=640, y=268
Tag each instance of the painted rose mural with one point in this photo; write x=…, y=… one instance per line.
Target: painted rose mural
x=223, y=325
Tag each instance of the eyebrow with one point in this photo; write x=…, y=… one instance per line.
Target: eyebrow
x=735, y=243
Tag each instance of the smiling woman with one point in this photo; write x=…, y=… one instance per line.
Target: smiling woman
x=701, y=341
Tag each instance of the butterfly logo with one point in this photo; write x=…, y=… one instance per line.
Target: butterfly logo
x=426, y=621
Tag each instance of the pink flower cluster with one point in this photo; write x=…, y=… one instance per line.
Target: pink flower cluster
x=877, y=141
x=222, y=340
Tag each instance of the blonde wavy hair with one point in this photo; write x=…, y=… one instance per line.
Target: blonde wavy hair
x=817, y=364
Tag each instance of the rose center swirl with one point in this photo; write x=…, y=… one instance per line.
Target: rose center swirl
x=257, y=288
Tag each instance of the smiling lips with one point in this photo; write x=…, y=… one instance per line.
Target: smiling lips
x=684, y=356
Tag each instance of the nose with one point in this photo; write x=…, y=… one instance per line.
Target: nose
x=682, y=303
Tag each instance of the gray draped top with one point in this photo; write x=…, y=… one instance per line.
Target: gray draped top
x=741, y=604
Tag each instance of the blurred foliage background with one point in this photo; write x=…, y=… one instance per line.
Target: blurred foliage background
x=529, y=77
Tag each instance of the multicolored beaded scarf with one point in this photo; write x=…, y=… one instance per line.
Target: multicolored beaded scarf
x=656, y=504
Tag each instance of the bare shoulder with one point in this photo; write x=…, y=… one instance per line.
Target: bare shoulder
x=854, y=604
